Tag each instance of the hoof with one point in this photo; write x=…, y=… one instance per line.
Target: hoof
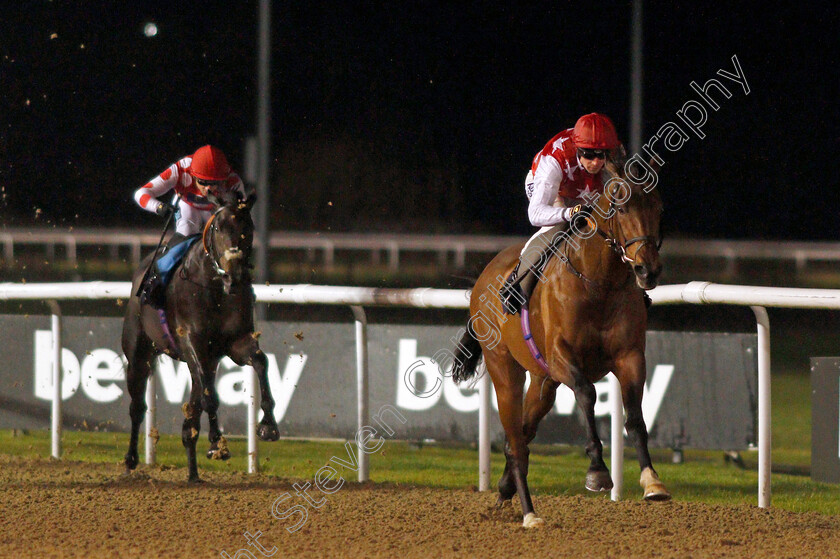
x=268, y=432
x=130, y=462
x=218, y=454
x=219, y=450
x=657, y=492
x=654, y=490
x=196, y=480
x=501, y=502
x=531, y=520
x=598, y=480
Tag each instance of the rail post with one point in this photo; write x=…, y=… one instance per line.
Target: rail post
x=616, y=438
x=764, y=436
x=362, y=385
x=151, y=419
x=56, y=363
x=253, y=458
x=484, y=397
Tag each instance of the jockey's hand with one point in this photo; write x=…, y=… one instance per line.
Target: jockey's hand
x=164, y=210
x=582, y=216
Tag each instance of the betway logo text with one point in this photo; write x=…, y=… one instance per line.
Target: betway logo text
x=420, y=385
x=101, y=374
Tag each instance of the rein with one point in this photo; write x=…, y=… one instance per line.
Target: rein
x=209, y=246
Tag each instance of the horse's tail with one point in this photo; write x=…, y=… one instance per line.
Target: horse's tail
x=467, y=355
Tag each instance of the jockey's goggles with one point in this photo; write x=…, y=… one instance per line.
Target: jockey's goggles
x=592, y=153
x=210, y=184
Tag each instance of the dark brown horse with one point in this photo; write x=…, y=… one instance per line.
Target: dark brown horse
x=209, y=313
x=588, y=317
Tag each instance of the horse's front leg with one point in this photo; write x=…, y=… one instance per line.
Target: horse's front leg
x=218, y=444
x=598, y=476
x=631, y=372
x=192, y=426
x=246, y=351
x=192, y=409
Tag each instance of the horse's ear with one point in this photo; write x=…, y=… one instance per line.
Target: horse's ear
x=249, y=202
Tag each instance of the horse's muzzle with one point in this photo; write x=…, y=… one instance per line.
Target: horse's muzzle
x=646, y=276
x=232, y=263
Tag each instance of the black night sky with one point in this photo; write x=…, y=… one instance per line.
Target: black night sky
x=416, y=116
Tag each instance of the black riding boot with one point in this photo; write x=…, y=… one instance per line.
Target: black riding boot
x=509, y=293
x=516, y=291
x=153, y=289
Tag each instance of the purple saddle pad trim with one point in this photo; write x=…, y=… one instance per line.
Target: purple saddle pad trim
x=525, y=320
x=165, y=325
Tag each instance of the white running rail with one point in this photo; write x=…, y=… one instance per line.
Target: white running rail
x=698, y=292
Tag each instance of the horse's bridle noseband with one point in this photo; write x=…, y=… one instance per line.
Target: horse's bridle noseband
x=621, y=249
x=209, y=246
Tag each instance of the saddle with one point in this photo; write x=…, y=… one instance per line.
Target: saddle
x=152, y=290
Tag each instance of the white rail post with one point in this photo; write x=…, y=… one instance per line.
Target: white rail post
x=484, y=398
x=151, y=419
x=362, y=385
x=617, y=438
x=764, y=436
x=57, y=370
x=253, y=461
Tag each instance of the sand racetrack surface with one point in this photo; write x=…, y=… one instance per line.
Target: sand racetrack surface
x=74, y=509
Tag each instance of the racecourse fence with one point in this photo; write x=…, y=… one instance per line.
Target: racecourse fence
x=757, y=298
x=452, y=251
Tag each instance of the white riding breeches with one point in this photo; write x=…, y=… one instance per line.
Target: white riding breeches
x=534, y=236
x=190, y=220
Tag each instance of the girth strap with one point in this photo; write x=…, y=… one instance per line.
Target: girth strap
x=525, y=321
x=164, y=324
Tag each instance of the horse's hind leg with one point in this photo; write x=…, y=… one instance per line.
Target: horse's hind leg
x=598, y=476
x=508, y=380
x=632, y=378
x=139, y=353
x=538, y=402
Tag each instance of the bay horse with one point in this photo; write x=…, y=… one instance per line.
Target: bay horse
x=587, y=317
x=208, y=314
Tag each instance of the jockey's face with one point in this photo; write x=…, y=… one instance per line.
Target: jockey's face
x=205, y=187
x=592, y=161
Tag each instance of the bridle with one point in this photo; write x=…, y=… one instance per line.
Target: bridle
x=611, y=238
x=207, y=240
x=622, y=248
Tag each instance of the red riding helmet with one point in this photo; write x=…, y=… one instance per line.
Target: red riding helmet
x=209, y=164
x=595, y=131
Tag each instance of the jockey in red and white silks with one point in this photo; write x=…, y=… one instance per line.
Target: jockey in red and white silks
x=198, y=181
x=557, y=181
x=192, y=177
x=569, y=166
